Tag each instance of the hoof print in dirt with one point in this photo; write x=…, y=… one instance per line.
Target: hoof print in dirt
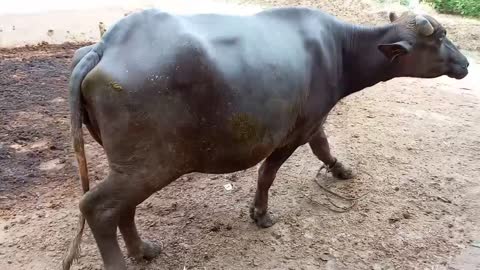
x=218, y=226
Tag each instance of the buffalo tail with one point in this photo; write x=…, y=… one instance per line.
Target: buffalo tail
x=80, y=71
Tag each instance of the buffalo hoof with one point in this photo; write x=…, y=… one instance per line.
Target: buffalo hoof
x=148, y=251
x=262, y=220
x=340, y=171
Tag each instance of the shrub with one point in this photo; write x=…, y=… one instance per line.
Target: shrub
x=460, y=7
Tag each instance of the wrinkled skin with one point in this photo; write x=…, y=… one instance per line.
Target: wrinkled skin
x=168, y=95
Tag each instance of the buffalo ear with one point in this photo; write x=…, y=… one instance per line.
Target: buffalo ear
x=394, y=50
x=393, y=16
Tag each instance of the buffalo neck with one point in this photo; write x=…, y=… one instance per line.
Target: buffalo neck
x=363, y=63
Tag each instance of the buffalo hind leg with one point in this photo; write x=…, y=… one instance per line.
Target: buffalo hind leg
x=136, y=247
x=101, y=209
x=320, y=147
x=108, y=206
x=266, y=175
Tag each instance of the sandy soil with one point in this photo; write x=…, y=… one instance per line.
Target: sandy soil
x=415, y=144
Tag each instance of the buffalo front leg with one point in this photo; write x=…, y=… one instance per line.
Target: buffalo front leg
x=320, y=147
x=266, y=175
x=136, y=247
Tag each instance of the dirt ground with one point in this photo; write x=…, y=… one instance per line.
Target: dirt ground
x=414, y=143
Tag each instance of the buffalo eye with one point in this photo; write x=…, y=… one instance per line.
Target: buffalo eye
x=442, y=35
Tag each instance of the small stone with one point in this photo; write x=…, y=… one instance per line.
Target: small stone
x=185, y=246
x=50, y=205
x=276, y=235
x=324, y=257
x=407, y=215
x=152, y=224
x=445, y=200
x=54, y=164
x=393, y=220
x=22, y=220
x=233, y=178
x=215, y=228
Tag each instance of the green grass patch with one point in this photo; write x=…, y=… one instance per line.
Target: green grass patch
x=470, y=8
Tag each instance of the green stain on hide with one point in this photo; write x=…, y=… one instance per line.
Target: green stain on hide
x=116, y=86
x=246, y=128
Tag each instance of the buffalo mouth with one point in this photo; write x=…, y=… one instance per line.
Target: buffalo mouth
x=458, y=72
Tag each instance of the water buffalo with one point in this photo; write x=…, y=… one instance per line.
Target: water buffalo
x=167, y=95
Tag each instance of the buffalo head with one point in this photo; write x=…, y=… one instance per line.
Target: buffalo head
x=420, y=48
